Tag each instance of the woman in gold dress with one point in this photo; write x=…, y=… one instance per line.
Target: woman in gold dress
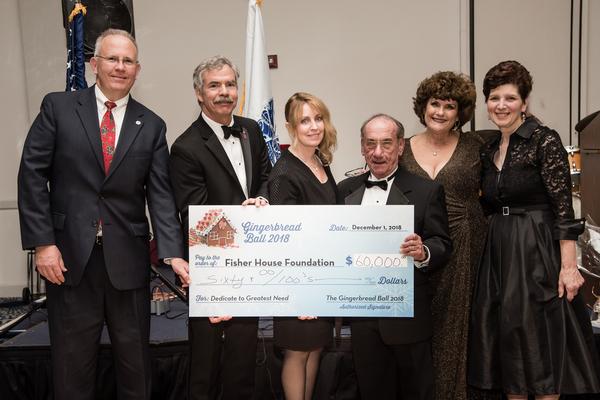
x=442, y=152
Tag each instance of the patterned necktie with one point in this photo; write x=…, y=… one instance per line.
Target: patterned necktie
x=107, y=135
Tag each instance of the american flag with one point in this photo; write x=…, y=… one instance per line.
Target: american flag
x=75, y=55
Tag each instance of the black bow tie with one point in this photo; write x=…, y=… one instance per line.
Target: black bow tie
x=382, y=184
x=234, y=130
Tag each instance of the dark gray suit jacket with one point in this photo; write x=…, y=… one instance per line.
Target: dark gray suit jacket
x=431, y=223
x=63, y=191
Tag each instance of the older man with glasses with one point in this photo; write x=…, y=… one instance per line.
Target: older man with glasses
x=392, y=356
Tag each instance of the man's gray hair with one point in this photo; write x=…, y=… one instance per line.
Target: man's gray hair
x=399, y=127
x=109, y=32
x=212, y=63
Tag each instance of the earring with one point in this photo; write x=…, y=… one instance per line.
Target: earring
x=523, y=116
x=456, y=126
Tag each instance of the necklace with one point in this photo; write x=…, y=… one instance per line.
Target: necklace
x=436, y=150
x=313, y=166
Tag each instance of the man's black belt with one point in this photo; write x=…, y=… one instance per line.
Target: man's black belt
x=519, y=210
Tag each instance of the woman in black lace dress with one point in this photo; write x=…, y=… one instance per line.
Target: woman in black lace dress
x=530, y=332
x=302, y=176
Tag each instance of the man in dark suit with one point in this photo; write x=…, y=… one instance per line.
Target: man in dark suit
x=392, y=356
x=220, y=159
x=91, y=161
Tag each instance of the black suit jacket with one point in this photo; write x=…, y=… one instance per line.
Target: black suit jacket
x=431, y=223
x=201, y=172
x=63, y=191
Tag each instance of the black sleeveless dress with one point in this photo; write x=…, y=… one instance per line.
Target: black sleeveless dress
x=292, y=182
x=524, y=338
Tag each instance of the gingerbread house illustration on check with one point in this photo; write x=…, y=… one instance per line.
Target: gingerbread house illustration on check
x=214, y=229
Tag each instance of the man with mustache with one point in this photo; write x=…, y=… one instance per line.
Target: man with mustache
x=221, y=159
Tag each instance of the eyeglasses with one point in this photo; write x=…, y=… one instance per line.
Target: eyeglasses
x=386, y=144
x=128, y=62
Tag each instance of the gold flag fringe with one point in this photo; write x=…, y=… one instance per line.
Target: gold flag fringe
x=76, y=10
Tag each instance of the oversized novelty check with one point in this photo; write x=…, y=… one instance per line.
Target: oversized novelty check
x=300, y=260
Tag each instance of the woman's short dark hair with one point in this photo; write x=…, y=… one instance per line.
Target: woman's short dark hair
x=508, y=72
x=447, y=85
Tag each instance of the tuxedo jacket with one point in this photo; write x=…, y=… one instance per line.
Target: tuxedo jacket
x=201, y=173
x=64, y=192
x=431, y=224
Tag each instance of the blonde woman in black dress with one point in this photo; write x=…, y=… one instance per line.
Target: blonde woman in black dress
x=302, y=176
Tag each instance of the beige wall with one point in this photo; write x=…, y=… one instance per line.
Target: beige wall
x=538, y=37
x=360, y=57
x=370, y=60
x=15, y=121
x=13, y=106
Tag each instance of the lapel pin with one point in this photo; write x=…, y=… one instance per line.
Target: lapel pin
x=138, y=122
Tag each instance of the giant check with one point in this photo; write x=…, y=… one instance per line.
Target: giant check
x=300, y=260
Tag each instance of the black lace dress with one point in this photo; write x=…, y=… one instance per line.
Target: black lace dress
x=524, y=338
x=292, y=182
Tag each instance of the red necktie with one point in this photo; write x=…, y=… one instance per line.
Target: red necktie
x=107, y=135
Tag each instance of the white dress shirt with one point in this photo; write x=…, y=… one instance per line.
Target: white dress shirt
x=233, y=149
x=377, y=196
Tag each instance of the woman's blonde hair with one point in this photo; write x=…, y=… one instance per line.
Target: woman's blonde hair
x=293, y=115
